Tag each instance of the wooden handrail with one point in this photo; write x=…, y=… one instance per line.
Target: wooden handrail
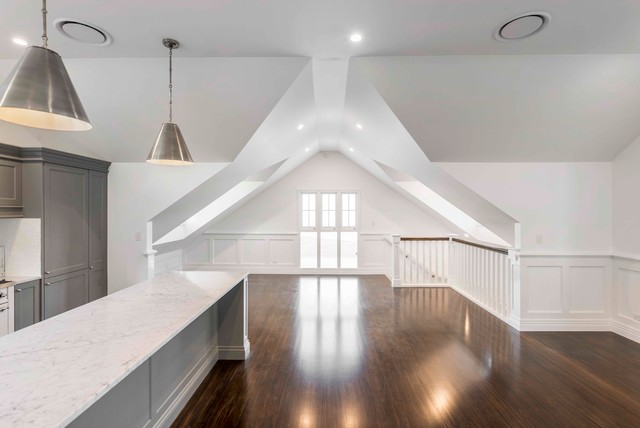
x=422, y=239
x=484, y=247
x=461, y=241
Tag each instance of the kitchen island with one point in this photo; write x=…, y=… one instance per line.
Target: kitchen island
x=132, y=358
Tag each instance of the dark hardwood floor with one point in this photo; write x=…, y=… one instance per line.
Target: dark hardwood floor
x=353, y=352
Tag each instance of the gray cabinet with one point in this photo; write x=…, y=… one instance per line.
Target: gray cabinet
x=69, y=193
x=97, y=235
x=10, y=188
x=66, y=214
x=26, y=304
x=65, y=292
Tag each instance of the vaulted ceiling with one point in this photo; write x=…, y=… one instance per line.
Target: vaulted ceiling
x=461, y=94
x=428, y=82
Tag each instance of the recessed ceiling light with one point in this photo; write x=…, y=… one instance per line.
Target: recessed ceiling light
x=300, y=126
x=522, y=26
x=466, y=235
x=356, y=37
x=358, y=126
x=83, y=32
x=350, y=149
x=306, y=150
x=20, y=42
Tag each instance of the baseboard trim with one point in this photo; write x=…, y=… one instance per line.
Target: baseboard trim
x=284, y=270
x=187, y=388
x=624, y=330
x=565, y=325
x=400, y=285
x=235, y=353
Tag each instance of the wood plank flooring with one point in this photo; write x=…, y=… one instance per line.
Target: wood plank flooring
x=345, y=351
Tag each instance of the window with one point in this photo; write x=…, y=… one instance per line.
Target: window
x=328, y=234
x=308, y=210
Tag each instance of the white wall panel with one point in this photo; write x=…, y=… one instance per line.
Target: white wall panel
x=253, y=251
x=275, y=253
x=629, y=297
x=544, y=289
x=225, y=251
x=374, y=251
x=626, y=297
x=566, y=293
x=283, y=251
x=587, y=289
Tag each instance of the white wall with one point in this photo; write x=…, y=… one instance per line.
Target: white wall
x=562, y=207
x=382, y=210
x=626, y=242
x=626, y=203
x=22, y=239
x=262, y=235
x=137, y=192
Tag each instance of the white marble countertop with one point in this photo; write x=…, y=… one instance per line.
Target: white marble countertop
x=54, y=370
x=20, y=279
x=15, y=280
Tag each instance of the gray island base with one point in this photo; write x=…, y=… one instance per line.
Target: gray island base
x=130, y=359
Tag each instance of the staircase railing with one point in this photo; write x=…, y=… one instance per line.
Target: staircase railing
x=489, y=276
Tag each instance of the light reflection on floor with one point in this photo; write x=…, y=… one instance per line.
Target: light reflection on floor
x=329, y=341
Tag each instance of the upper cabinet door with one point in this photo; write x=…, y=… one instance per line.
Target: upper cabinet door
x=97, y=220
x=10, y=183
x=66, y=215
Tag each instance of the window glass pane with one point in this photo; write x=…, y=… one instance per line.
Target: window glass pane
x=329, y=250
x=309, y=249
x=308, y=210
x=328, y=210
x=349, y=249
x=348, y=209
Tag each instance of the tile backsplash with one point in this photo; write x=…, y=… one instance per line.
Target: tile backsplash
x=22, y=239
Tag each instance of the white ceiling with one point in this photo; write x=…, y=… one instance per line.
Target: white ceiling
x=513, y=108
x=321, y=28
x=428, y=82
x=218, y=102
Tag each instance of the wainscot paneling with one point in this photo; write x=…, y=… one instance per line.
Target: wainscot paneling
x=566, y=293
x=626, y=297
x=276, y=253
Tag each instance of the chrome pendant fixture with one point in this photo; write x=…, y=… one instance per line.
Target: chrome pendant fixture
x=39, y=93
x=170, y=147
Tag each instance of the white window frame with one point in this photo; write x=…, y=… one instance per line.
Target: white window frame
x=319, y=228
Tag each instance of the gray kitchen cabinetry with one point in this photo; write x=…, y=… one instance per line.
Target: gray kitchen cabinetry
x=97, y=235
x=10, y=188
x=65, y=292
x=69, y=193
x=66, y=219
x=26, y=304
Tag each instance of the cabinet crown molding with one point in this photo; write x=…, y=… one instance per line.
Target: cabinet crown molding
x=43, y=154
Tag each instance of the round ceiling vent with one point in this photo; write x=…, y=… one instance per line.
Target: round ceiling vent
x=83, y=32
x=522, y=26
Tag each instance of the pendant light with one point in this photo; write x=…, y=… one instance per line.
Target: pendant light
x=39, y=93
x=170, y=147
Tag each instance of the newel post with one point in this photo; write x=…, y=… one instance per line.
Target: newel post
x=395, y=263
x=149, y=252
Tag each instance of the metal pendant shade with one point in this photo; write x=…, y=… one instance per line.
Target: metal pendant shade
x=170, y=147
x=39, y=93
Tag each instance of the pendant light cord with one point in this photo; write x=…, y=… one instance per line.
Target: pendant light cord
x=45, y=39
x=170, y=85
